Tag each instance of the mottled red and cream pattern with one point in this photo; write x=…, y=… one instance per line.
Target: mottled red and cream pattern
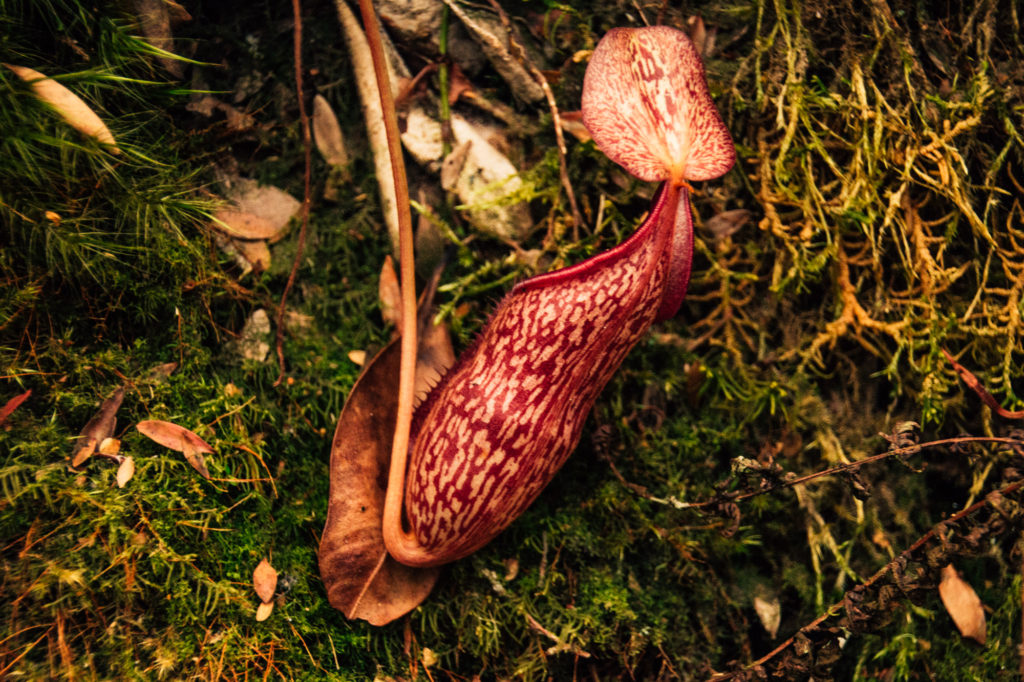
x=500, y=424
x=647, y=105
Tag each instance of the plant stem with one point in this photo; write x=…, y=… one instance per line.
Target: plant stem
x=304, y=211
x=400, y=544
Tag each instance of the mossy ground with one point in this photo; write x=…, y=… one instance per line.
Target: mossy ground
x=881, y=155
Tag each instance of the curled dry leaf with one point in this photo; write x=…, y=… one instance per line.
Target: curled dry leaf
x=451, y=167
x=70, y=106
x=100, y=427
x=264, y=580
x=962, y=604
x=12, y=404
x=264, y=610
x=327, y=133
x=125, y=471
x=172, y=436
x=362, y=580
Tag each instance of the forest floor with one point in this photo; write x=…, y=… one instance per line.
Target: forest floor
x=856, y=292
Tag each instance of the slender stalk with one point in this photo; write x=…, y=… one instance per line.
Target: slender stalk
x=307, y=147
x=403, y=546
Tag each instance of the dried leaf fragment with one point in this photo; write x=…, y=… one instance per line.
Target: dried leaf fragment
x=256, y=211
x=70, y=106
x=264, y=580
x=83, y=451
x=100, y=427
x=12, y=404
x=109, y=447
x=962, y=604
x=125, y=471
x=264, y=610
x=390, y=294
x=253, y=341
x=245, y=225
x=172, y=436
x=769, y=612
x=327, y=133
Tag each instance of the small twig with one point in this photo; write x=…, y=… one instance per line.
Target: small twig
x=307, y=148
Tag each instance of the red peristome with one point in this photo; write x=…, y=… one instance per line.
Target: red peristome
x=646, y=104
x=507, y=416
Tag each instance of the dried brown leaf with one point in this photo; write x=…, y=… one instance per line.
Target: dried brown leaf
x=256, y=211
x=572, y=123
x=962, y=604
x=390, y=294
x=362, y=580
x=264, y=580
x=172, y=436
x=452, y=165
x=100, y=427
x=125, y=471
x=264, y=610
x=242, y=225
x=84, y=449
x=12, y=404
x=70, y=106
x=458, y=84
x=155, y=22
x=327, y=133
